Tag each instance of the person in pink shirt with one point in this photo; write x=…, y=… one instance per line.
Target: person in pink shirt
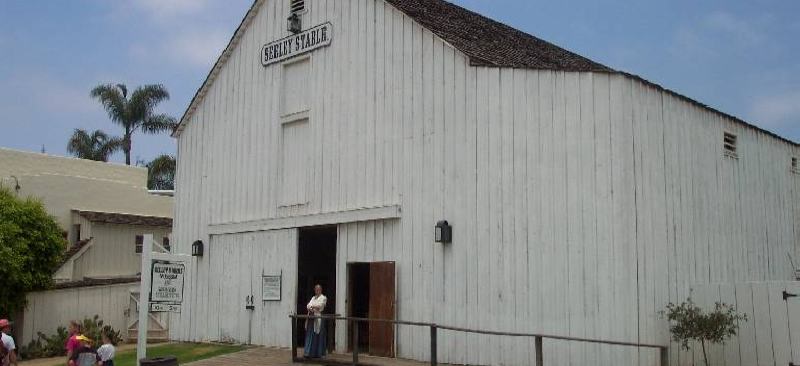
x=72, y=342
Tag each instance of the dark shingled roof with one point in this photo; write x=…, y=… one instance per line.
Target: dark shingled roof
x=491, y=43
x=91, y=282
x=74, y=250
x=125, y=219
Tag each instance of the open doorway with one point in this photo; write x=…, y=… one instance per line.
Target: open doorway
x=371, y=294
x=316, y=265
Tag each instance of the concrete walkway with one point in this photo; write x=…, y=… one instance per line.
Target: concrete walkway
x=260, y=356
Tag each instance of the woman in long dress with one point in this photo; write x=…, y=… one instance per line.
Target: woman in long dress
x=315, y=328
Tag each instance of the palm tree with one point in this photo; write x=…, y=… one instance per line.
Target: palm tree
x=135, y=113
x=95, y=146
x=161, y=173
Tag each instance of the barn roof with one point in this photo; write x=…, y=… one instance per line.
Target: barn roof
x=491, y=43
x=485, y=41
x=125, y=219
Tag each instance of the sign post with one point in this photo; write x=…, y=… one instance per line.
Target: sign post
x=161, y=288
x=144, y=298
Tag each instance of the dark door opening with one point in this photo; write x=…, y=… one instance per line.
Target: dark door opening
x=316, y=265
x=371, y=294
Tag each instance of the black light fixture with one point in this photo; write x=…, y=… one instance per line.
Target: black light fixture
x=443, y=232
x=293, y=24
x=197, y=248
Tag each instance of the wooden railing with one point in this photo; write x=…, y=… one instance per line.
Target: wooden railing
x=538, y=337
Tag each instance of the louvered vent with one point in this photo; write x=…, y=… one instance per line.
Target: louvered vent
x=298, y=6
x=794, y=167
x=729, y=143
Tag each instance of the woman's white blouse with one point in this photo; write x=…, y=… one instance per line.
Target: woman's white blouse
x=318, y=303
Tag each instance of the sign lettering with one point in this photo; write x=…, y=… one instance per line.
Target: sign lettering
x=164, y=308
x=271, y=288
x=167, y=284
x=297, y=44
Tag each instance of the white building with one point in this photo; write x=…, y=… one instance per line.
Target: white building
x=103, y=209
x=582, y=199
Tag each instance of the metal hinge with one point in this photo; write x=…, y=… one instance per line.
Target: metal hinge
x=786, y=296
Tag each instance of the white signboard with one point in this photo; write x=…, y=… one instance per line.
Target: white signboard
x=164, y=308
x=297, y=44
x=167, y=283
x=271, y=288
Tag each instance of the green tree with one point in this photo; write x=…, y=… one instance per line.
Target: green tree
x=135, y=113
x=31, y=247
x=95, y=146
x=688, y=322
x=161, y=173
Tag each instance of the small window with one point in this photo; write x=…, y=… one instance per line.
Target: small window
x=165, y=244
x=298, y=6
x=730, y=145
x=77, y=229
x=794, y=167
x=139, y=243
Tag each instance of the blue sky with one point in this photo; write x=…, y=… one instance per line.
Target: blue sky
x=738, y=56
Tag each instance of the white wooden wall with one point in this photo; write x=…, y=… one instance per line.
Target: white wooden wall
x=47, y=310
x=231, y=270
x=771, y=334
x=581, y=203
x=113, y=251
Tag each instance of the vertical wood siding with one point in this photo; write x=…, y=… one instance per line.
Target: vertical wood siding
x=771, y=334
x=113, y=250
x=581, y=203
x=48, y=310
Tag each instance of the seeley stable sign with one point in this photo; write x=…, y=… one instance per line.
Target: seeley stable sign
x=297, y=44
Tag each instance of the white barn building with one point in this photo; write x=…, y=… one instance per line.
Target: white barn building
x=582, y=199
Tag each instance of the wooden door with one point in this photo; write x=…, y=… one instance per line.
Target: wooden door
x=381, y=306
x=793, y=307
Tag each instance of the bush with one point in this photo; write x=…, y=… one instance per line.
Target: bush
x=46, y=346
x=31, y=247
x=94, y=329
x=690, y=323
x=54, y=345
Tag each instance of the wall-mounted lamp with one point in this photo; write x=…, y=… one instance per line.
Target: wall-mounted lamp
x=197, y=248
x=293, y=24
x=443, y=232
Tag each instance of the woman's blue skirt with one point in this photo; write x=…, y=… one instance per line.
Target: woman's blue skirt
x=315, y=343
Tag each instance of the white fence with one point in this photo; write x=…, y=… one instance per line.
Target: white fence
x=47, y=310
x=771, y=336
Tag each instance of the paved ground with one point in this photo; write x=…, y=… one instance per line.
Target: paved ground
x=260, y=356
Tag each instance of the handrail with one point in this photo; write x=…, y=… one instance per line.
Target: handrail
x=537, y=336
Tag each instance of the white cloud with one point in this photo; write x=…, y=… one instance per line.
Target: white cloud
x=168, y=10
x=199, y=49
x=777, y=111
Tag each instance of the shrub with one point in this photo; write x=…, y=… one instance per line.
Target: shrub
x=46, y=346
x=54, y=345
x=94, y=329
x=689, y=323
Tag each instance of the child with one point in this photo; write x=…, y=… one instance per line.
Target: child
x=106, y=351
x=84, y=355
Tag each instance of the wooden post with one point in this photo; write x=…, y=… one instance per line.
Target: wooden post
x=354, y=324
x=144, y=297
x=434, y=357
x=539, y=353
x=294, y=338
x=663, y=352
